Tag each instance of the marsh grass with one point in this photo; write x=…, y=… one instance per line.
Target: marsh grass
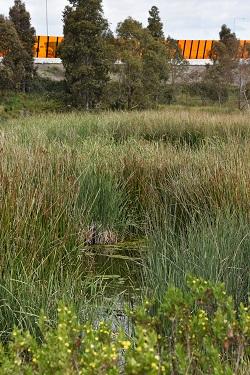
x=216, y=249
x=177, y=125
x=179, y=177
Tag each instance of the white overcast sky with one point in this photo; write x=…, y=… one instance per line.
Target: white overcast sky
x=183, y=19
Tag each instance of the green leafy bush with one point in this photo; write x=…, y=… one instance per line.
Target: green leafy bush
x=193, y=332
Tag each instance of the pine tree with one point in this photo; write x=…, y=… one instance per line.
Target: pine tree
x=155, y=26
x=83, y=52
x=12, y=68
x=20, y=17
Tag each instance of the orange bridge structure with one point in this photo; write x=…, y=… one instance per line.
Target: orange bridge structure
x=46, y=47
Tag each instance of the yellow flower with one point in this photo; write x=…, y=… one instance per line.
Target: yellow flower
x=154, y=366
x=18, y=362
x=126, y=344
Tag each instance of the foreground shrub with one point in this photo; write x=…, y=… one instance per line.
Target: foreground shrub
x=193, y=332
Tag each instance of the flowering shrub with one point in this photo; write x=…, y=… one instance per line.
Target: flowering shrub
x=198, y=331
x=193, y=332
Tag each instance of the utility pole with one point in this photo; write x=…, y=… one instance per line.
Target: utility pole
x=47, y=20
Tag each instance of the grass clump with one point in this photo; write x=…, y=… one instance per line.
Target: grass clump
x=215, y=249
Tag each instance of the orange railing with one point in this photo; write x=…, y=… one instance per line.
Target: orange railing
x=47, y=47
x=200, y=49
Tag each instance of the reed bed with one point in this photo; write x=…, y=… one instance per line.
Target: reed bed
x=179, y=178
x=176, y=125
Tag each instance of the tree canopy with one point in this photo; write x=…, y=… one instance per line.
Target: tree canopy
x=144, y=69
x=12, y=68
x=21, y=20
x=155, y=26
x=83, y=52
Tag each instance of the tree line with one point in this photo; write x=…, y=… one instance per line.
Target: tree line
x=126, y=71
x=136, y=68
x=17, y=39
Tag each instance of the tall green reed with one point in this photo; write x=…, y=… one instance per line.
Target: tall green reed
x=216, y=249
x=179, y=177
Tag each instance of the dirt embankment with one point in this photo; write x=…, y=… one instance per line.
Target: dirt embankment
x=55, y=72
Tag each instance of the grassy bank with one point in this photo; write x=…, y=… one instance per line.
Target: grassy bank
x=178, y=178
x=19, y=105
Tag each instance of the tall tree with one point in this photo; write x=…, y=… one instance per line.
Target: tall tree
x=130, y=69
x=20, y=17
x=12, y=68
x=143, y=69
x=155, y=26
x=230, y=41
x=225, y=61
x=83, y=52
x=225, y=53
